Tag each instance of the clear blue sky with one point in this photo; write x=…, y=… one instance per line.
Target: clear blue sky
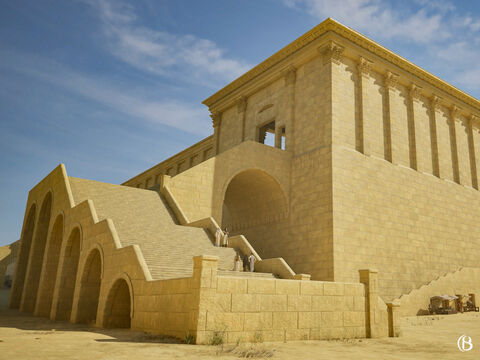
x=112, y=87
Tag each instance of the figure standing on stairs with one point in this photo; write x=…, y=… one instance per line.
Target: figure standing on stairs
x=237, y=265
x=251, y=260
x=225, y=238
x=245, y=262
x=218, y=237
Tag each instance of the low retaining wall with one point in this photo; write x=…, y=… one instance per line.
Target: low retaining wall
x=254, y=309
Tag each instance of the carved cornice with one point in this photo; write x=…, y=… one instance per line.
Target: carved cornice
x=216, y=119
x=332, y=52
x=415, y=91
x=356, y=38
x=391, y=80
x=290, y=75
x=364, y=66
x=241, y=104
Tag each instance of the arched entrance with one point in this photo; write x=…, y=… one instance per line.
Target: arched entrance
x=22, y=262
x=34, y=270
x=254, y=205
x=68, y=276
x=118, y=306
x=50, y=269
x=90, y=289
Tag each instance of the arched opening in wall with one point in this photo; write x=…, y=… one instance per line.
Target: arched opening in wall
x=22, y=262
x=118, y=306
x=90, y=289
x=35, y=261
x=68, y=276
x=50, y=269
x=254, y=205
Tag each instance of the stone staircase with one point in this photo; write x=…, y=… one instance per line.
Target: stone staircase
x=142, y=217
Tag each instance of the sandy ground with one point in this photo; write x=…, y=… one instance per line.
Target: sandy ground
x=26, y=337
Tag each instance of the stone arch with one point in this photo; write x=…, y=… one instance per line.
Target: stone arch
x=22, y=262
x=90, y=288
x=254, y=204
x=35, y=262
x=68, y=275
x=252, y=197
x=119, y=304
x=50, y=268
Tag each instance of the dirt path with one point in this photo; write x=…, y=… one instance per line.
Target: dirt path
x=26, y=337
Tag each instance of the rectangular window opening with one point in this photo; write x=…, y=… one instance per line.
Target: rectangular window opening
x=266, y=134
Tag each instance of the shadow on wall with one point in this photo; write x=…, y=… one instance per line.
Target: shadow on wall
x=23, y=321
x=4, y=296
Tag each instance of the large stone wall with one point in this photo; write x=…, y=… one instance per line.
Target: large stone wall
x=405, y=203
x=250, y=309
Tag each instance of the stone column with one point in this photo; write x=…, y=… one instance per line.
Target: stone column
x=394, y=319
x=369, y=277
x=453, y=143
x=203, y=287
x=242, y=113
x=390, y=84
x=290, y=80
x=413, y=96
x=434, y=103
x=216, y=122
x=474, y=149
x=362, y=141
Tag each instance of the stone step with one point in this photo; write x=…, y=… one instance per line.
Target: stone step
x=246, y=274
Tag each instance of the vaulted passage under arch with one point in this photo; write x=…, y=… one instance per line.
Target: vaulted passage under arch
x=34, y=270
x=21, y=269
x=254, y=204
x=90, y=289
x=118, y=306
x=50, y=269
x=68, y=276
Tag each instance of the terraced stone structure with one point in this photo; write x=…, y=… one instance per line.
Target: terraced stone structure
x=334, y=158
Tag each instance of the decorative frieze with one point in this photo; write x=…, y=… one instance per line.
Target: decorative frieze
x=332, y=52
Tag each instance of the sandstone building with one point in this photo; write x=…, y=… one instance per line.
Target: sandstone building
x=371, y=188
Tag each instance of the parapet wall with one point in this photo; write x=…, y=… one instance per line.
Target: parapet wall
x=249, y=309
x=178, y=163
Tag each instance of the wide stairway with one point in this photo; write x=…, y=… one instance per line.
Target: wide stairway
x=142, y=217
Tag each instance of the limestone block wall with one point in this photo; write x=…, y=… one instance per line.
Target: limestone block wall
x=464, y=281
x=404, y=177
x=310, y=247
x=194, y=189
x=165, y=307
x=279, y=310
x=248, y=309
